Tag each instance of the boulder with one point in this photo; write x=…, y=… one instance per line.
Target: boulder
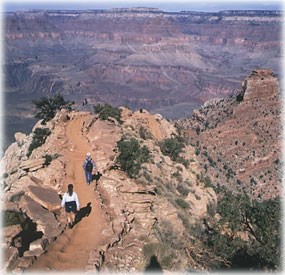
x=158, y=117
x=45, y=220
x=39, y=244
x=25, y=262
x=36, y=180
x=45, y=196
x=37, y=252
x=32, y=164
x=10, y=257
x=20, y=138
x=62, y=116
x=9, y=232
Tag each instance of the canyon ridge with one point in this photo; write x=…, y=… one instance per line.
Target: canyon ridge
x=200, y=194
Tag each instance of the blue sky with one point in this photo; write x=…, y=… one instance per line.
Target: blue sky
x=166, y=5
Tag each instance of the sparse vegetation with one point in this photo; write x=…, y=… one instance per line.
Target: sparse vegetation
x=12, y=218
x=144, y=133
x=47, y=107
x=183, y=161
x=105, y=111
x=183, y=189
x=182, y=203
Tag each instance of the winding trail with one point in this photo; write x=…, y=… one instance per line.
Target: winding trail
x=71, y=250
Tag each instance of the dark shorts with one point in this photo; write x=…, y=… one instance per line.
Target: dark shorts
x=70, y=206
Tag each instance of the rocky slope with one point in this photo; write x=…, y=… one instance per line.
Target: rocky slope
x=139, y=213
x=163, y=212
x=239, y=138
x=165, y=62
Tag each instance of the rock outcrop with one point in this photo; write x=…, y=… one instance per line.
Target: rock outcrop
x=162, y=209
x=239, y=137
x=137, y=209
x=32, y=187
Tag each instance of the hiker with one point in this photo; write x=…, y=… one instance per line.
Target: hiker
x=71, y=203
x=88, y=166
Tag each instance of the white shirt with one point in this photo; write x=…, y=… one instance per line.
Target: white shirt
x=67, y=198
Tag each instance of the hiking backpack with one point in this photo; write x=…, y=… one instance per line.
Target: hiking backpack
x=89, y=166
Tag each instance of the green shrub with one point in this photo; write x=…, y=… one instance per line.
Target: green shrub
x=47, y=107
x=49, y=158
x=172, y=147
x=105, y=111
x=144, y=133
x=131, y=156
x=262, y=220
x=39, y=137
x=182, y=189
x=182, y=203
x=208, y=182
x=183, y=161
x=11, y=218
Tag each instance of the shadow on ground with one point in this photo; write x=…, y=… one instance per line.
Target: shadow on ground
x=83, y=212
x=153, y=266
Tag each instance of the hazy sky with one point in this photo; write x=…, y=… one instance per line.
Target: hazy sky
x=166, y=5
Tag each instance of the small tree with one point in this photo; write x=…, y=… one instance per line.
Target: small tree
x=106, y=110
x=132, y=155
x=261, y=220
x=172, y=147
x=47, y=107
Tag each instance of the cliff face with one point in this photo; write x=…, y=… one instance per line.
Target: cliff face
x=239, y=138
x=171, y=62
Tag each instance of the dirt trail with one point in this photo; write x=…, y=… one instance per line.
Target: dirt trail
x=71, y=250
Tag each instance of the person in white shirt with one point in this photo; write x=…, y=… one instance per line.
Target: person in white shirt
x=71, y=204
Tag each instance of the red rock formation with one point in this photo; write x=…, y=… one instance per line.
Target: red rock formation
x=240, y=137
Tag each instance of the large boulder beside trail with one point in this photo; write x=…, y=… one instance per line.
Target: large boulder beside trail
x=44, y=219
x=9, y=232
x=45, y=196
x=32, y=164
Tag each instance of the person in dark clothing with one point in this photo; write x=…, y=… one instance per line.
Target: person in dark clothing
x=88, y=166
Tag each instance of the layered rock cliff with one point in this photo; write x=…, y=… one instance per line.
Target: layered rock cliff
x=165, y=62
x=239, y=138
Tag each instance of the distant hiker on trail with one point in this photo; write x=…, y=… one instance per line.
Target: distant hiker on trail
x=71, y=203
x=88, y=166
